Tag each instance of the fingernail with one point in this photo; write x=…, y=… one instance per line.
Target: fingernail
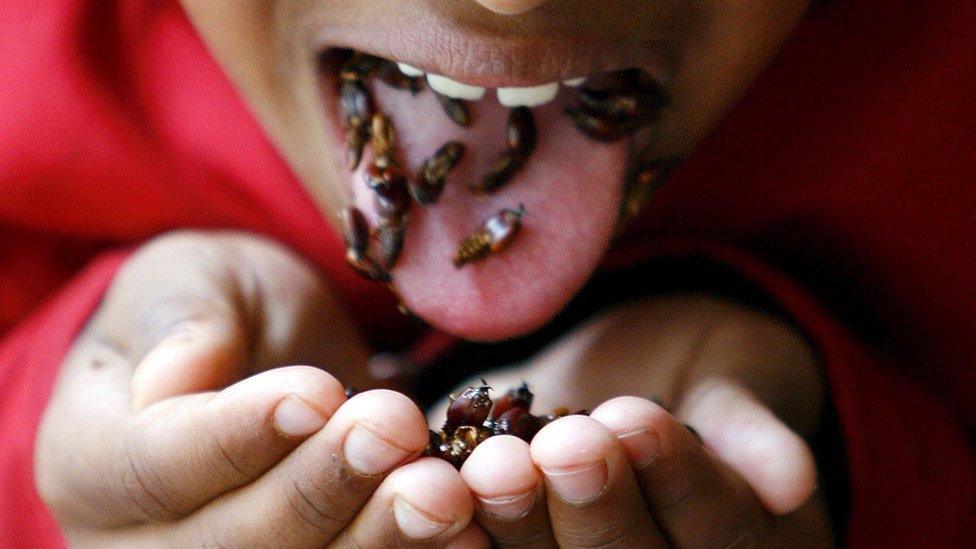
x=293, y=417
x=369, y=454
x=642, y=447
x=414, y=523
x=578, y=485
x=508, y=507
x=146, y=381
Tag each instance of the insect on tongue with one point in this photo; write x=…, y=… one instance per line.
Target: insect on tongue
x=630, y=101
x=356, y=232
x=431, y=179
x=520, y=137
x=494, y=235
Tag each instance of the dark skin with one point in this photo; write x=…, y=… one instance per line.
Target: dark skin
x=301, y=465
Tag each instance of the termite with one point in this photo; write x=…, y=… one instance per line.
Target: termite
x=470, y=408
x=455, y=109
x=630, y=102
x=431, y=178
x=390, y=75
x=356, y=107
x=356, y=232
x=359, y=66
x=384, y=140
x=517, y=422
x=600, y=128
x=390, y=237
x=494, y=235
x=518, y=397
x=391, y=197
x=520, y=131
x=520, y=136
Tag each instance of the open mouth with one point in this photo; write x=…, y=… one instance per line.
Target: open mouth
x=486, y=209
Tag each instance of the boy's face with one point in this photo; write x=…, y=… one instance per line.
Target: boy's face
x=703, y=56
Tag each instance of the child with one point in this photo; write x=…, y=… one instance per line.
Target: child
x=180, y=418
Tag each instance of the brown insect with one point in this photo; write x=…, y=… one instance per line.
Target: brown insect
x=391, y=197
x=521, y=132
x=600, y=128
x=494, y=235
x=356, y=108
x=630, y=101
x=356, y=232
x=519, y=397
x=390, y=75
x=470, y=408
x=390, y=186
x=359, y=66
x=390, y=235
x=431, y=178
x=520, y=136
x=517, y=422
x=455, y=109
x=384, y=140
x=501, y=171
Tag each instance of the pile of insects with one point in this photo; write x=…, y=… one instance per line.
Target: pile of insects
x=611, y=107
x=473, y=417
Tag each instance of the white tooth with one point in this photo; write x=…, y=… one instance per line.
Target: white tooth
x=445, y=86
x=528, y=97
x=575, y=82
x=410, y=70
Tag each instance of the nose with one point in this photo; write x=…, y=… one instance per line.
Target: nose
x=511, y=7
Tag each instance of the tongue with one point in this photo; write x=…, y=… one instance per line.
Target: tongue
x=570, y=188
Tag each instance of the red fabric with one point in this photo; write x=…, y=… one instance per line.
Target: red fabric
x=843, y=186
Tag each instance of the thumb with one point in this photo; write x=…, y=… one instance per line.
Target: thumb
x=776, y=462
x=197, y=354
x=195, y=312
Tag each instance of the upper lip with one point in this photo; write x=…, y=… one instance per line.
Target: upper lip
x=477, y=57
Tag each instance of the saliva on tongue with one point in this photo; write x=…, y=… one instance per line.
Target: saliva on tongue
x=567, y=192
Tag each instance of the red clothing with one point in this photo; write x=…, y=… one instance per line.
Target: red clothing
x=843, y=186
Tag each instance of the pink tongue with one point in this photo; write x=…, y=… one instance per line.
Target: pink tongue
x=571, y=192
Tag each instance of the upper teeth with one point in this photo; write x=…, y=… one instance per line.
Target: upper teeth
x=410, y=70
x=510, y=97
x=528, y=97
x=452, y=88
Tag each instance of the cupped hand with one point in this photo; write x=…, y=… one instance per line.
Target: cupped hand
x=176, y=422
x=633, y=473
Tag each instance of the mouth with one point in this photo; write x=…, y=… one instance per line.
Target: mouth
x=485, y=193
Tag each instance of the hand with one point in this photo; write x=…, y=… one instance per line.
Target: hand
x=169, y=427
x=632, y=474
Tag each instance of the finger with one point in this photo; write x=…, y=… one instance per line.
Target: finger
x=422, y=503
x=202, y=351
x=775, y=461
x=695, y=498
x=311, y=496
x=593, y=497
x=168, y=460
x=509, y=493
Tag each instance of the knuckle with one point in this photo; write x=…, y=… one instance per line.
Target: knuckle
x=318, y=508
x=610, y=533
x=225, y=459
x=141, y=487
